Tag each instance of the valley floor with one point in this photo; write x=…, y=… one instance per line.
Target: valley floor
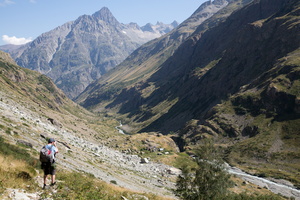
x=87, y=155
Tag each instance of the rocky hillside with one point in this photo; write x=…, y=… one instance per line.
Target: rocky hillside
x=33, y=109
x=236, y=79
x=81, y=51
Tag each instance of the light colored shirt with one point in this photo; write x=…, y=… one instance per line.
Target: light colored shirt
x=53, y=149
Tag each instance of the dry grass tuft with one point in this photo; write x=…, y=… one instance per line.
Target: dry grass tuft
x=15, y=174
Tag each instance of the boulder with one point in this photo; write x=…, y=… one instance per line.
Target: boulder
x=27, y=144
x=55, y=122
x=144, y=160
x=174, y=171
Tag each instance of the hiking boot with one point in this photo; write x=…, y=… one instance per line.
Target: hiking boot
x=44, y=186
x=52, y=184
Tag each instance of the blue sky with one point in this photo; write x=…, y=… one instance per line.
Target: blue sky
x=24, y=20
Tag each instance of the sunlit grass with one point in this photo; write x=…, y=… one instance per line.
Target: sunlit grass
x=16, y=174
x=17, y=168
x=75, y=185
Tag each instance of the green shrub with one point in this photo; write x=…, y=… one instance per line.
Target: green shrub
x=209, y=180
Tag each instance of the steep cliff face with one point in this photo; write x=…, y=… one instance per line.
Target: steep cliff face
x=81, y=51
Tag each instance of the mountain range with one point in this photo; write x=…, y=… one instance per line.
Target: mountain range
x=235, y=79
x=132, y=84
x=147, y=59
x=78, y=52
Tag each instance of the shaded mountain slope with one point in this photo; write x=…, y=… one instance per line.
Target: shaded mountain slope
x=225, y=58
x=143, y=62
x=130, y=81
x=259, y=125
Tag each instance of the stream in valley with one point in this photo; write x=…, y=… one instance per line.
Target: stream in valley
x=275, y=187
x=119, y=129
x=280, y=187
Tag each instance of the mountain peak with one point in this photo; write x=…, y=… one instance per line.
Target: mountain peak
x=148, y=27
x=105, y=15
x=175, y=23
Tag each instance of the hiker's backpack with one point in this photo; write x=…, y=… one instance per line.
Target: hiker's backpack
x=46, y=155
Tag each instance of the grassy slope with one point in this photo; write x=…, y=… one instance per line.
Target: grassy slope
x=259, y=127
x=275, y=151
x=20, y=170
x=39, y=94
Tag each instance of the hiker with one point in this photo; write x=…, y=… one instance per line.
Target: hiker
x=48, y=165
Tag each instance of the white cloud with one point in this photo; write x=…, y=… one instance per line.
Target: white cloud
x=6, y=2
x=15, y=40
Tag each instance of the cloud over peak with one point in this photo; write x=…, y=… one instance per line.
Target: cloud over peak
x=14, y=40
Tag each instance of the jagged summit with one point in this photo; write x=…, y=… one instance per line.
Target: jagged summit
x=78, y=52
x=175, y=23
x=148, y=27
x=104, y=14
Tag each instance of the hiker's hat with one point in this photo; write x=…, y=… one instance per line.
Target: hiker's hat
x=51, y=140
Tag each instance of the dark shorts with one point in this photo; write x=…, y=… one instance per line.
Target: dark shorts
x=48, y=168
